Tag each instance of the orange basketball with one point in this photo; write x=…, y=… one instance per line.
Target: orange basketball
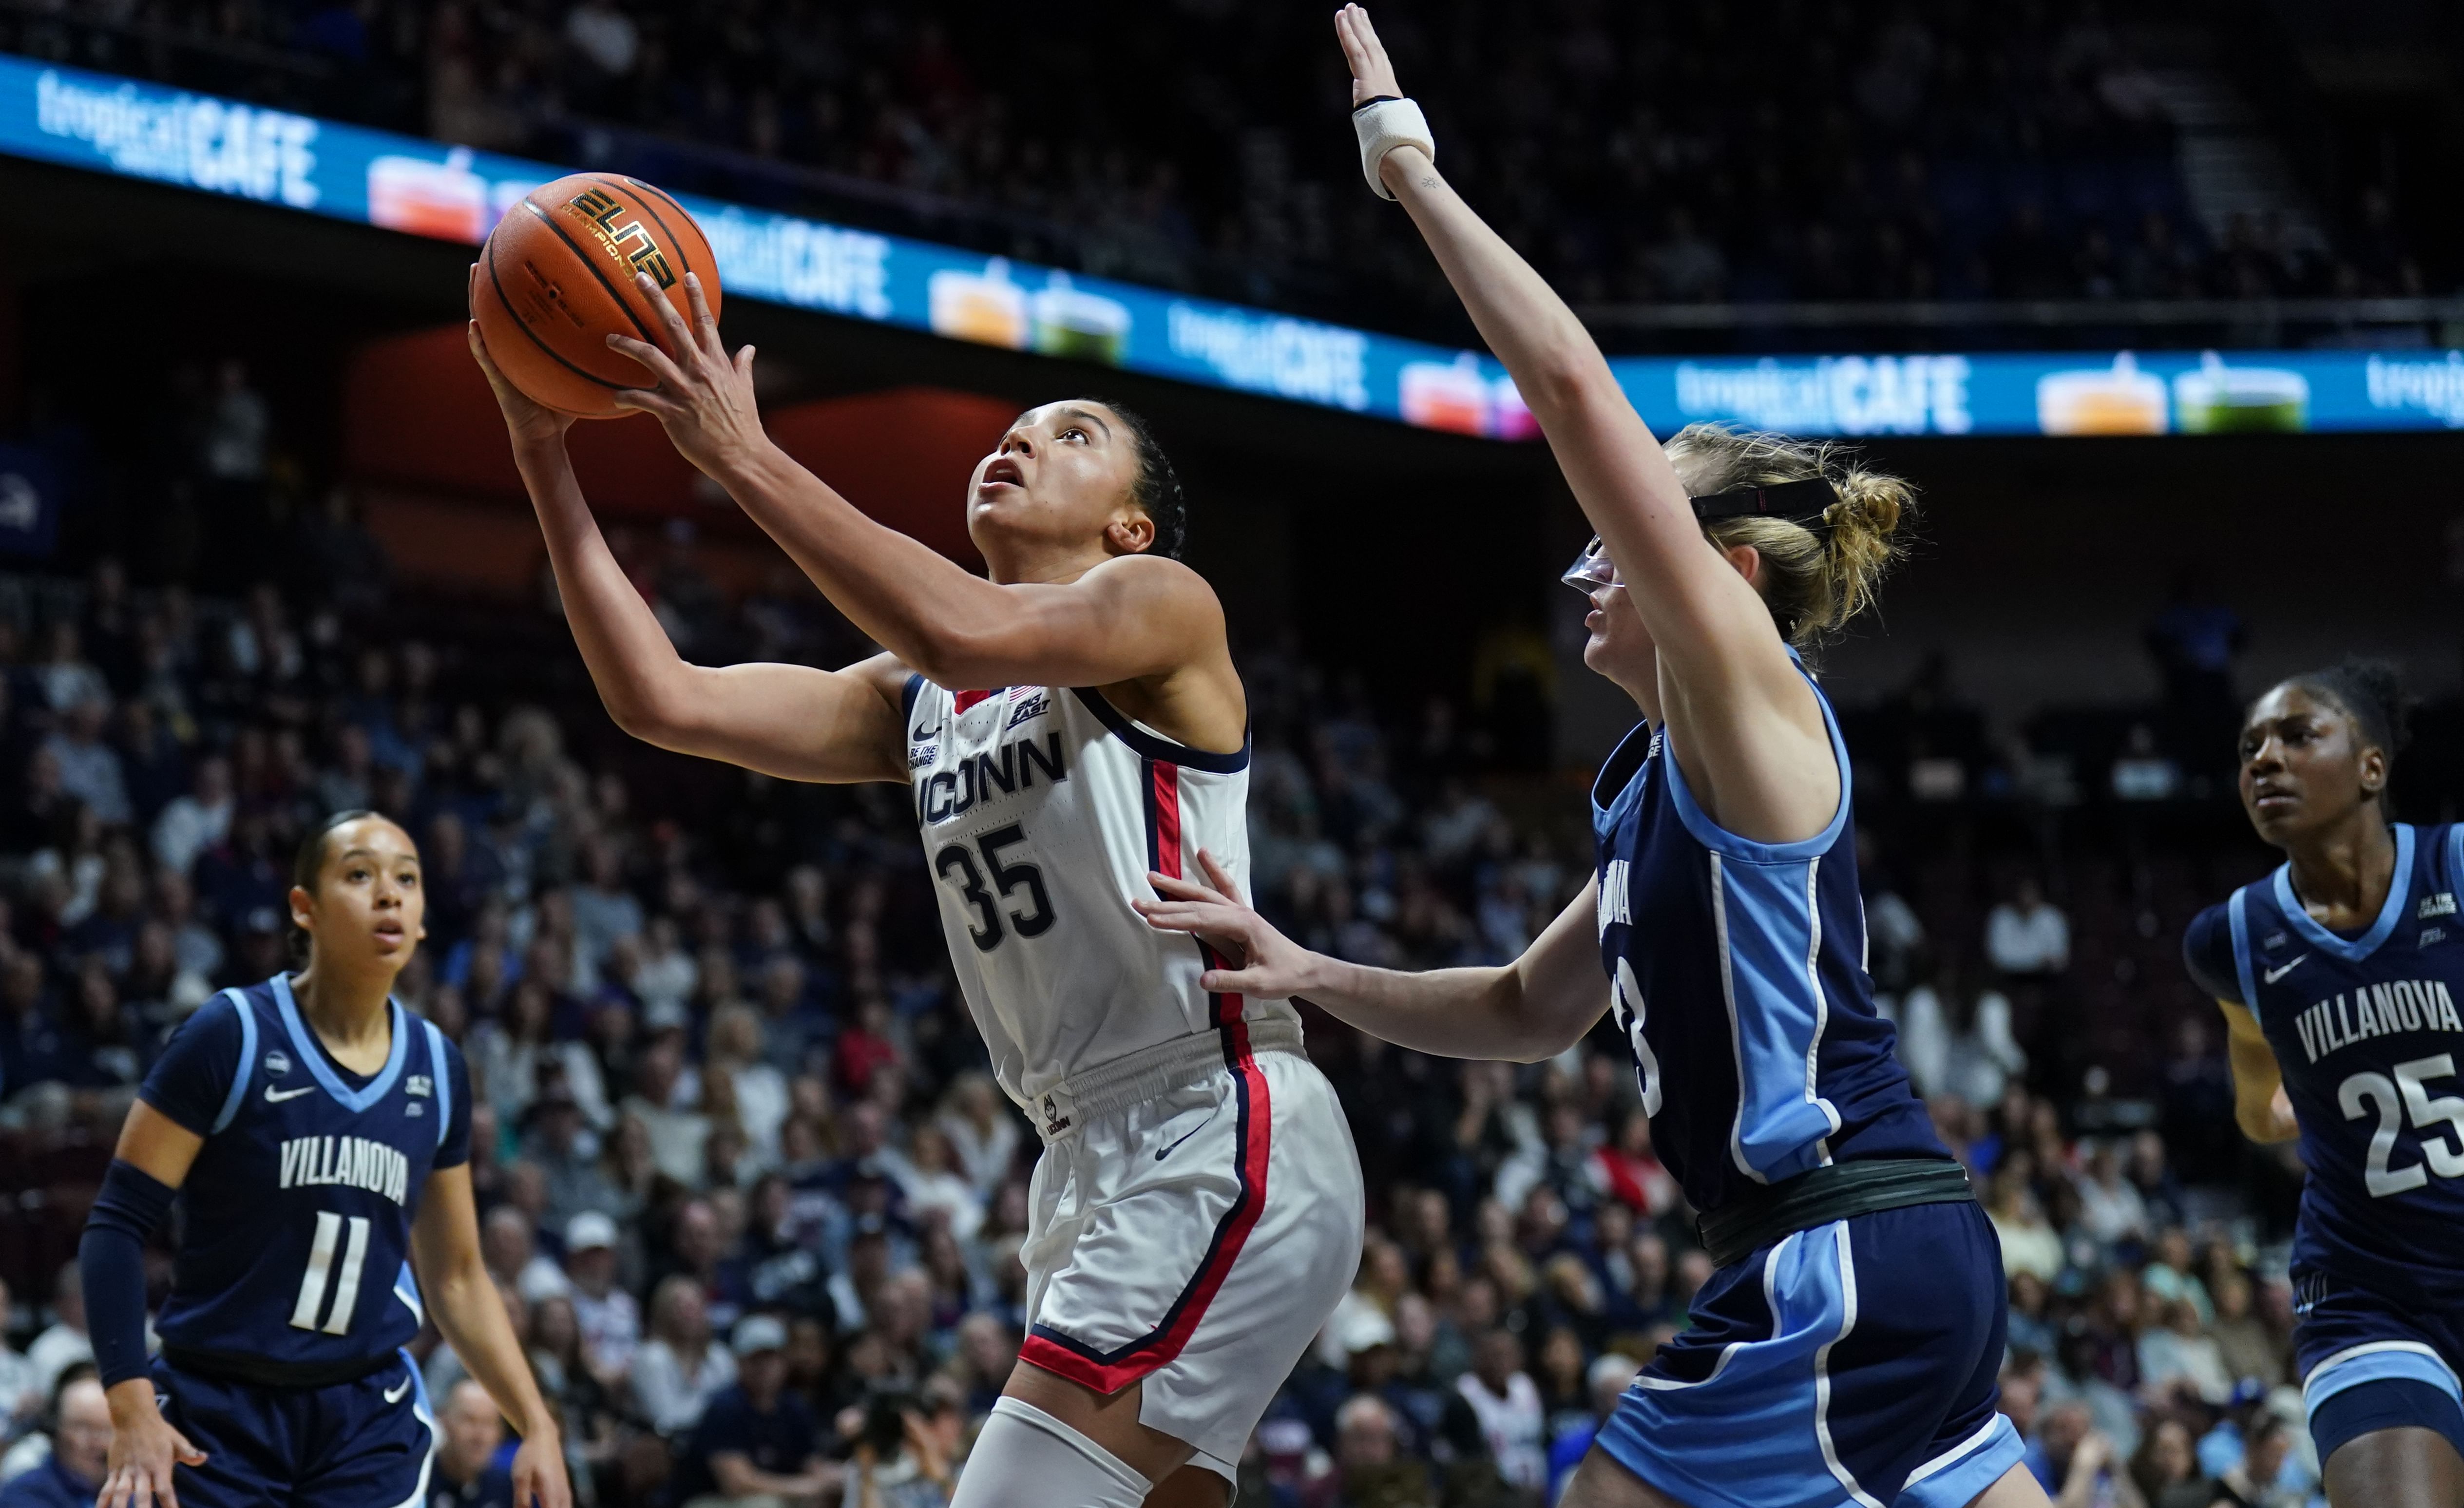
x=557, y=278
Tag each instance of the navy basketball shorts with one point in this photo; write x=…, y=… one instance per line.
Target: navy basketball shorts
x=1854, y=1363
x=363, y=1443
x=2370, y=1363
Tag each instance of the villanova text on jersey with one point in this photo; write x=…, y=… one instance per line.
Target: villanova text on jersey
x=1738, y=977
x=294, y=1262
x=2369, y=1033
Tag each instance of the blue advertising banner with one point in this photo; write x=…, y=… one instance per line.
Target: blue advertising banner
x=420, y=187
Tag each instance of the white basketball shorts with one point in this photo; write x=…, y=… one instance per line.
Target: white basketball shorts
x=1196, y=1214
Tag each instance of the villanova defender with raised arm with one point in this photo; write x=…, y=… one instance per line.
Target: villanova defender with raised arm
x=1847, y=1348
x=317, y=1136
x=2342, y=978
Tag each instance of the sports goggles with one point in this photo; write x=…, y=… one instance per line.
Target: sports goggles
x=1802, y=502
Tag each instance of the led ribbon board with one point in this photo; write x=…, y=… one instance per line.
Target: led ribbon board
x=132, y=129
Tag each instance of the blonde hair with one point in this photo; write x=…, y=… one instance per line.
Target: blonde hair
x=1813, y=581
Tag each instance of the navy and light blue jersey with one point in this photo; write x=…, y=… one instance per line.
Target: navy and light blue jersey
x=2369, y=1032
x=296, y=1243
x=1739, y=985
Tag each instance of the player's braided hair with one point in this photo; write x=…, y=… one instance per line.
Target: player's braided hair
x=2372, y=693
x=1156, y=487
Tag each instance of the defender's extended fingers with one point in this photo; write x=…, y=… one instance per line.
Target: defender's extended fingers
x=668, y=375
x=1220, y=878
x=672, y=322
x=648, y=400
x=705, y=323
x=1182, y=889
x=186, y=1455
x=1232, y=981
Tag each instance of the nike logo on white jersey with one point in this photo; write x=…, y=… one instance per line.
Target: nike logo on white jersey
x=2271, y=976
x=394, y=1394
x=274, y=1096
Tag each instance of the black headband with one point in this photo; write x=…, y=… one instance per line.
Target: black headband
x=1803, y=502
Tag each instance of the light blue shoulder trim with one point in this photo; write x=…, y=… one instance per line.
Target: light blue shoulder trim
x=1728, y=844
x=2237, y=912
x=444, y=1078
x=244, y=1070
x=2399, y=895
x=312, y=1052
x=2455, y=856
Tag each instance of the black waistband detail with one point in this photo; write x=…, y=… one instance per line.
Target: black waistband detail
x=265, y=1372
x=1820, y=1195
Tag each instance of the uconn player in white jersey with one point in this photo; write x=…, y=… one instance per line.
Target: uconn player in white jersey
x=1846, y=1348
x=317, y=1136
x=1066, y=727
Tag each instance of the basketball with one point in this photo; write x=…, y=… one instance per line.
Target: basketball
x=556, y=279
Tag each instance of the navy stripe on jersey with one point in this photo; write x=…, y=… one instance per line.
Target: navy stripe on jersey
x=1740, y=983
x=1154, y=746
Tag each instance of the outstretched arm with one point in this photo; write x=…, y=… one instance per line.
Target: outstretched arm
x=1533, y=1008
x=463, y=1300
x=1740, y=718
x=1131, y=617
x=788, y=720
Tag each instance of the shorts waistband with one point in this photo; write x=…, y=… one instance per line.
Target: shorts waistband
x=1749, y=1221
x=1062, y=1109
x=234, y=1366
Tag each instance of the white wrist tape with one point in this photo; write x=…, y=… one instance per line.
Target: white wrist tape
x=1383, y=126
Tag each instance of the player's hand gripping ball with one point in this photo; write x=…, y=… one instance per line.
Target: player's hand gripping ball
x=562, y=272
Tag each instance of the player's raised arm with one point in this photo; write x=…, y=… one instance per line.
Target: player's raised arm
x=792, y=721
x=1124, y=615
x=1533, y=1008
x=1713, y=632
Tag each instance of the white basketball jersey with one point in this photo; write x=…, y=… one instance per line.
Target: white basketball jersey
x=1043, y=809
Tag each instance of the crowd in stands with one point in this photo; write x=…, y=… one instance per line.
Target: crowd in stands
x=1699, y=152
x=757, y=1207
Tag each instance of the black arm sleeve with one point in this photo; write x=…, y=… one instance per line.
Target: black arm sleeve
x=111, y=1265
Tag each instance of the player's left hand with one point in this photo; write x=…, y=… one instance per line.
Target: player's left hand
x=1373, y=73
x=539, y=1472
x=703, y=396
x=1265, y=964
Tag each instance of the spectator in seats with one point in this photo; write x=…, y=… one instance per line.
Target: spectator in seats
x=2076, y=1464
x=682, y=1365
x=1607, y=1379
x=72, y=1473
x=466, y=1473
x=2170, y=1274
x=89, y=766
x=2027, y=936
x=2179, y=1362
x=920, y=1467
x=2111, y=1212
x=2029, y=1244
x=1507, y=1405
x=983, y=1129
x=2243, y=1342
x=608, y=1318
x=21, y=1389
x=757, y=1440
x=733, y=1048
x=64, y=1343
x=678, y=1129
x=2165, y=1468
x=1370, y=1472
x=510, y=1243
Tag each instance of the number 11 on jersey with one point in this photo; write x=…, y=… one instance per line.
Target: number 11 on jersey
x=320, y=1262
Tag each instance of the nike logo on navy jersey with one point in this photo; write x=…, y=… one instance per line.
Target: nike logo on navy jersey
x=274, y=1096
x=2271, y=976
x=394, y=1393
